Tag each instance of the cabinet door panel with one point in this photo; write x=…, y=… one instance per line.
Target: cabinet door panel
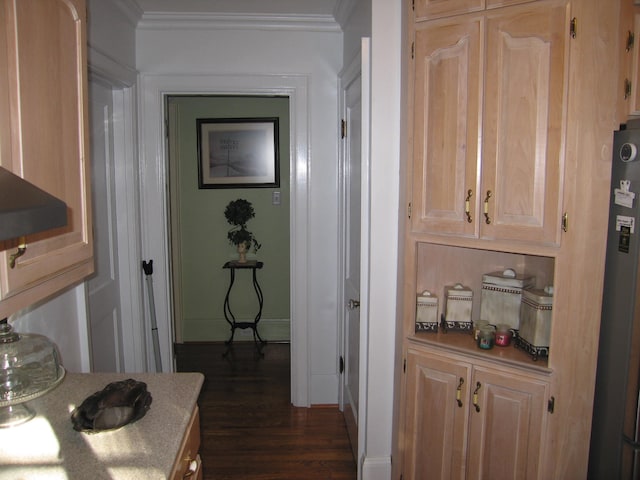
x=504, y=438
x=46, y=79
x=445, y=146
x=436, y=422
x=522, y=157
x=427, y=9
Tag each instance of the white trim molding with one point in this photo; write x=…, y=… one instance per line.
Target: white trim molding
x=153, y=89
x=377, y=468
x=235, y=21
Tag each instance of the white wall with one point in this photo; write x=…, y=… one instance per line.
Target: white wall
x=317, y=55
x=385, y=180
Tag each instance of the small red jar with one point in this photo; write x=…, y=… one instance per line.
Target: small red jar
x=503, y=335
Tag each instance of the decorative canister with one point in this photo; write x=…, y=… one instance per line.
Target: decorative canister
x=535, y=321
x=501, y=296
x=458, y=311
x=426, y=312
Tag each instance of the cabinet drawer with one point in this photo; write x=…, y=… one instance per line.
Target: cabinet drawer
x=184, y=466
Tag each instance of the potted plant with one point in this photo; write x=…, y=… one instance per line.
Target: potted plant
x=238, y=213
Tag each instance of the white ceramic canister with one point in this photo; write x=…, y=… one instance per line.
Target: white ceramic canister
x=535, y=316
x=501, y=297
x=426, y=312
x=459, y=303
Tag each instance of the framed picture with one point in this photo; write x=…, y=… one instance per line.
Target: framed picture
x=238, y=152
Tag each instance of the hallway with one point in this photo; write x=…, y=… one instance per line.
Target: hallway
x=249, y=428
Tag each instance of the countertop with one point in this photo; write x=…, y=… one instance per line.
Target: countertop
x=47, y=447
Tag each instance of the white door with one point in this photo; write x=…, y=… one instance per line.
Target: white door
x=353, y=196
x=103, y=290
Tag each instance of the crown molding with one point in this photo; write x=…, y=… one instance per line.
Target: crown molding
x=214, y=21
x=131, y=10
x=343, y=10
x=103, y=66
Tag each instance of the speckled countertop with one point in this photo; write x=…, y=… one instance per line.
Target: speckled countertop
x=47, y=447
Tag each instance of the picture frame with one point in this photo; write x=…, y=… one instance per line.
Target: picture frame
x=238, y=152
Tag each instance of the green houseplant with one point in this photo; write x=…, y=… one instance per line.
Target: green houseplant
x=238, y=213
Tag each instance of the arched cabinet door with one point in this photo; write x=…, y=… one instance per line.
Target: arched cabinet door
x=489, y=97
x=43, y=138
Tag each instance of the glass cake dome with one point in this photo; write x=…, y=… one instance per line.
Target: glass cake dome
x=29, y=368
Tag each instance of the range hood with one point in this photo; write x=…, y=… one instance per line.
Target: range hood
x=26, y=209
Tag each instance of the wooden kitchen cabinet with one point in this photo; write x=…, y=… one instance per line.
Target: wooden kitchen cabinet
x=44, y=139
x=188, y=463
x=631, y=60
x=520, y=98
x=429, y=9
x=467, y=419
x=487, y=145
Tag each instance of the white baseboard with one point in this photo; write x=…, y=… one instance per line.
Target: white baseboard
x=376, y=468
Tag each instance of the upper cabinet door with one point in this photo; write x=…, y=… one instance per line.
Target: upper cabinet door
x=445, y=130
x=428, y=9
x=523, y=127
x=43, y=107
x=508, y=67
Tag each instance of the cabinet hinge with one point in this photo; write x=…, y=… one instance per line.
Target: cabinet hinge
x=413, y=7
x=404, y=366
x=573, y=27
x=565, y=222
x=341, y=364
x=627, y=88
x=343, y=128
x=413, y=47
x=409, y=210
x=631, y=40
x=551, y=404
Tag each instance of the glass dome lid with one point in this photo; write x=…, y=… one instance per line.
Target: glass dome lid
x=29, y=368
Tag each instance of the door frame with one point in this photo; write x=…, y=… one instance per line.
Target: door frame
x=359, y=67
x=154, y=201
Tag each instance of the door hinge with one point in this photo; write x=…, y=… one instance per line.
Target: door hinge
x=551, y=404
x=341, y=364
x=573, y=27
x=565, y=222
x=343, y=128
x=631, y=40
x=409, y=210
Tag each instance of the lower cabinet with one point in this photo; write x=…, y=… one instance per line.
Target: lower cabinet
x=467, y=419
x=188, y=463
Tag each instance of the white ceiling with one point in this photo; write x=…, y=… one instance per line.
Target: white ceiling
x=259, y=7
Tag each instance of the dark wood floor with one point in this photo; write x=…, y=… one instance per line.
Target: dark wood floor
x=249, y=429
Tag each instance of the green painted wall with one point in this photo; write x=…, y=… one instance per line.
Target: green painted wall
x=203, y=230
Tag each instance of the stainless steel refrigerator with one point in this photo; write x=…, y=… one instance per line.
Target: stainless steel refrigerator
x=615, y=435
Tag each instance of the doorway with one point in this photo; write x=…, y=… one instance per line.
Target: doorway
x=198, y=228
x=153, y=198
